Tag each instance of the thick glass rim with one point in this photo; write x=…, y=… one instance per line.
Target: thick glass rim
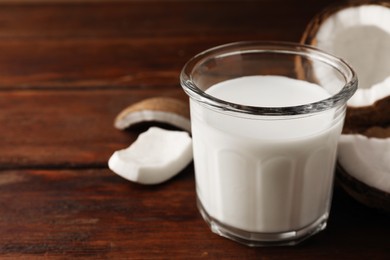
x=338, y=99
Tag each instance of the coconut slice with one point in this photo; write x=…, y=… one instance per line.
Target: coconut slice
x=159, y=109
x=366, y=180
x=156, y=156
x=360, y=34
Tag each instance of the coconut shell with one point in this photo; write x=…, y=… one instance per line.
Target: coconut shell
x=165, y=104
x=178, y=111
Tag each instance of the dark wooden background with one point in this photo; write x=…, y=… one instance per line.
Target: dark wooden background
x=66, y=69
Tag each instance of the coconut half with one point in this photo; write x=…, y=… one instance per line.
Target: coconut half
x=360, y=34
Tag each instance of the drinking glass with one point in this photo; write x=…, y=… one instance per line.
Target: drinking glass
x=264, y=173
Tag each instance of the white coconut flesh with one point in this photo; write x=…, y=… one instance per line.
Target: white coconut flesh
x=156, y=156
x=361, y=36
x=366, y=159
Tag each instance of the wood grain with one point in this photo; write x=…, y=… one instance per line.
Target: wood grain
x=133, y=43
x=66, y=128
x=94, y=213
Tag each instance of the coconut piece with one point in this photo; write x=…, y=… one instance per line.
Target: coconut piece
x=158, y=109
x=359, y=32
x=156, y=156
x=366, y=159
x=363, y=170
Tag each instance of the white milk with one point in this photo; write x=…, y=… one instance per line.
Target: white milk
x=265, y=175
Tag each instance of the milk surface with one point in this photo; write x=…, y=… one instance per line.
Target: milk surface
x=261, y=174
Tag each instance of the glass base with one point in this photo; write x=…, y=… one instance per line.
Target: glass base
x=256, y=239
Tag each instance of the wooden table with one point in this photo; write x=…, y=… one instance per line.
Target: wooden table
x=66, y=69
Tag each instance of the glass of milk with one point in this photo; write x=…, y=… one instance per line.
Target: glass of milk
x=266, y=118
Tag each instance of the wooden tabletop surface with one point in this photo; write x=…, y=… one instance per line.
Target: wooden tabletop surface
x=66, y=69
